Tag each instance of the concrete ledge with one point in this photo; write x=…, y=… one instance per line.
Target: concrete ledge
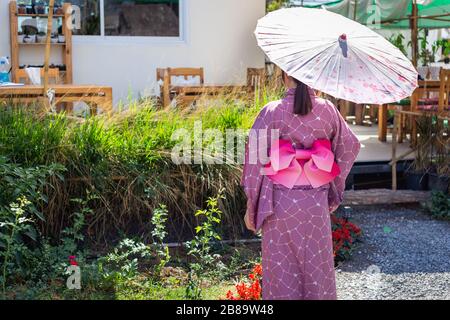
x=384, y=196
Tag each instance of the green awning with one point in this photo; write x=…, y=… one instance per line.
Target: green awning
x=433, y=14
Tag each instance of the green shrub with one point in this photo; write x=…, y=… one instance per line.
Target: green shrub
x=439, y=205
x=200, y=248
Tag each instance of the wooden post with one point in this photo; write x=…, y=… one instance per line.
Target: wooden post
x=359, y=114
x=414, y=104
x=382, y=122
x=394, y=149
x=414, y=33
x=51, y=6
x=14, y=59
x=67, y=55
x=166, y=89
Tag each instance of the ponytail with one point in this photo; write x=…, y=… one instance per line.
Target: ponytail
x=302, y=99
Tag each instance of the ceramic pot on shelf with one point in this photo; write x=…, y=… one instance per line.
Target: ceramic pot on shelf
x=20, y=37
x=41, y=37
x=29, y=39
x=54, y=38
x=58, y=11
x=22, y=9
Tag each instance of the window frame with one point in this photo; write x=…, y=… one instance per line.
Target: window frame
x=121, y=40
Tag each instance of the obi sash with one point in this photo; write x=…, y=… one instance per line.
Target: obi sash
x=301, y=167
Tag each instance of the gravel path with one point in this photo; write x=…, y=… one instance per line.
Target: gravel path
x=404, y=255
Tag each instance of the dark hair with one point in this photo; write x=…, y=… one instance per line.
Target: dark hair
x=302, y=99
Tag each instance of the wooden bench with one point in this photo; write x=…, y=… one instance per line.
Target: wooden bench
x=92, y=95
x=187, y=94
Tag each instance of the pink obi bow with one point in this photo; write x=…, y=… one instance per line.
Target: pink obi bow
x=301, y=167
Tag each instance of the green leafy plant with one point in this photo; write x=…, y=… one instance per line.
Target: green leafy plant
x=13, y=223
x=438, y=206
x=21, y=181
x=200, y=248
x=73, y=235
x=122, y=263
x=441, y=44
x=159, y=219
x=398, y=41
x=276, y=4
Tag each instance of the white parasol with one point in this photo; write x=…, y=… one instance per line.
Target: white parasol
x=336, y=55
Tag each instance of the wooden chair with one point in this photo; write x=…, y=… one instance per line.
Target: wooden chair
x=163, y=81
x=444, y=91
x=422, y=102
x=403, y=105
x=166, y=76
x=256, y=78
x=53, y=76
x=186, y=73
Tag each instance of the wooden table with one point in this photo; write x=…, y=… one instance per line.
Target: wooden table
x=192, y=93
x=92, y=95
x=424, y=87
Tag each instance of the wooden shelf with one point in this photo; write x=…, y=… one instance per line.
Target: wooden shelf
x=38, y=15
x=16, y=47
x=40, y=44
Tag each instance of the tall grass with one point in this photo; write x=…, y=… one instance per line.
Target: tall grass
x=125, y=160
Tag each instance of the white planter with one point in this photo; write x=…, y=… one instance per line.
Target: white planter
x=61, y=38
x=20, y=38
x=41, y=39
x=29, y=39
x=54, y=40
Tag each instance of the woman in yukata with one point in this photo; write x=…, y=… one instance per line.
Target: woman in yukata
x=291, y=194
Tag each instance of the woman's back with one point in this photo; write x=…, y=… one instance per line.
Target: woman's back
x=290, y=197
x=320, y=123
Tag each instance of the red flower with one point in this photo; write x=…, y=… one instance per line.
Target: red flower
x=248, y=291
x=344, y=234
x=258, y=270
x=336, y=235
x=73, y=261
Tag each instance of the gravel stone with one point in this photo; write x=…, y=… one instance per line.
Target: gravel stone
x=404, y=255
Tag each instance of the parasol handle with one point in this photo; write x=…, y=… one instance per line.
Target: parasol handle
x=343, y=44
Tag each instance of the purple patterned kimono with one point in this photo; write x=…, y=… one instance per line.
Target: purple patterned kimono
x=297, y=250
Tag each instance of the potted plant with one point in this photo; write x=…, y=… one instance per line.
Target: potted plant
x=29, y=39
x=20, y=36
x=417, y=176
x=439, y=180
x=41, y=37
x=40, y=8
x=58, y=10
x=439, y=176
x=30, y=34
x=54, y=38
x=21, y=8
x=61, y=38
x=30, y=9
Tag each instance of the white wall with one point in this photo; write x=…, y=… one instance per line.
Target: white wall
x=218, y=36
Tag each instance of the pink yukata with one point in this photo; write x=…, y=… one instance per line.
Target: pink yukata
x=297, y=249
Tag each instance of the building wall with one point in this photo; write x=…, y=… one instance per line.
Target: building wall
x=218, y=36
